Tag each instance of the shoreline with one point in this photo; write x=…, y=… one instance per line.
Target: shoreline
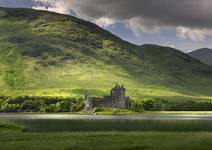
x=110, y=113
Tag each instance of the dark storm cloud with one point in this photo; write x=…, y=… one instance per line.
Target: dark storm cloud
x=189, y=13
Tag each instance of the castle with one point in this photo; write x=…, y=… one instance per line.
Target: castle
x=116, y=99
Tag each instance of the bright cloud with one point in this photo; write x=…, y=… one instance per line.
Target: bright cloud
x=52, y=5
x=193, y=34
x=138, y=25
x=104, y=22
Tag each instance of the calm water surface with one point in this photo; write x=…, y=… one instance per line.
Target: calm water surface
x=99, y=117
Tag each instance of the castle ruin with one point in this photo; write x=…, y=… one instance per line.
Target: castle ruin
x=116, y=99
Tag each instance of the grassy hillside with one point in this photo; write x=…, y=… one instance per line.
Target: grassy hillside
x=48, y=54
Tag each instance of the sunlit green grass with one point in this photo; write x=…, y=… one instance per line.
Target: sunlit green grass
x=47, y=54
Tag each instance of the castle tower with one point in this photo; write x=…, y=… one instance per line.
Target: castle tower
x=118, y=96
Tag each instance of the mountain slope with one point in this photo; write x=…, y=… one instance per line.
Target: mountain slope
x=204, y=55
x=44, y=53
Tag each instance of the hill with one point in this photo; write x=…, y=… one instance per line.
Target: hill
x=204, y=55
x=48, y=54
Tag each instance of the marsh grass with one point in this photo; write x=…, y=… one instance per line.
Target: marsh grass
x=122, y=125
x=107, y=135
x=107, y=141
x=9, y=126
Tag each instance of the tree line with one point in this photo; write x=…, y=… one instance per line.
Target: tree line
x=160, y=104
x=61, y=104
x=40, y=104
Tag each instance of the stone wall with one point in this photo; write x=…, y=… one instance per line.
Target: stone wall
x=117, y=99
x=109, y=102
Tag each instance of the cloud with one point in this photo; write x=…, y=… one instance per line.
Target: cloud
x=104, y=22
x=193, y=34
x=54, y=6
x=138, y=25
x=172, y=46
x=192, y=18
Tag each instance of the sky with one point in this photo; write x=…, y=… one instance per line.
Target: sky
x=182, y=24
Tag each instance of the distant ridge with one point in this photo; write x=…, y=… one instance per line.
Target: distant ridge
x=204, y=55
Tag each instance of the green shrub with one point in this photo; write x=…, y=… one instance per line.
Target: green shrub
x=30, y=106
x=148, y=104
x=49, y=108
x=136, y=106
x=63, y=106
x=10, y=108
x=98, y=109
